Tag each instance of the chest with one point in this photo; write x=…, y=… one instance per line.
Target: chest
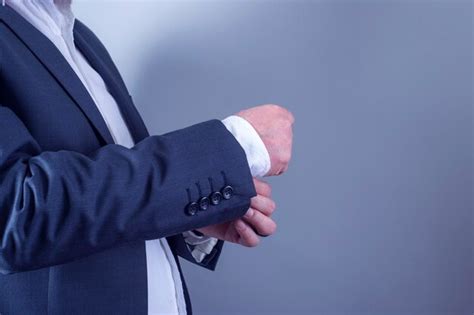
x=50, y=98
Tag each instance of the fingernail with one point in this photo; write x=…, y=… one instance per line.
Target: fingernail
x=249, y=213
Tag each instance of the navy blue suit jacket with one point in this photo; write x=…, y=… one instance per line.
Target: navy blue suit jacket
x=75, y=208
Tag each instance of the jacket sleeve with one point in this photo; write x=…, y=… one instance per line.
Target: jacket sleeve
x=60, y=206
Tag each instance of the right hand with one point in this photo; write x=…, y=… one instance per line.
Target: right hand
x=274, y=124
x=256, y=222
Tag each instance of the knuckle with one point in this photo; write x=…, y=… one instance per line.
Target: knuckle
x=291, y=117
x=269, y=190
x=288, y=115
x=266, y=189
x=272, y=206
x=249, y=213
x=274, y=106
x=280, y=110
x=241, y=226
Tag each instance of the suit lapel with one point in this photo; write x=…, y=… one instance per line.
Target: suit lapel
x=47, y=53
x=52, y=59
x=113, y=82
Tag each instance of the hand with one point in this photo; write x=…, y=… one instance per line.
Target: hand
x=257, y=219
x=274, y=124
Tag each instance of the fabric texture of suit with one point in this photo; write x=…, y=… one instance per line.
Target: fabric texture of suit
x=75, y=209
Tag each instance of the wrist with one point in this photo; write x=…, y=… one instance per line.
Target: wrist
x=256, y=152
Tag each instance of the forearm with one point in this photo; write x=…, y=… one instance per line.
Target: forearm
x=59, y=206
x=258, y=159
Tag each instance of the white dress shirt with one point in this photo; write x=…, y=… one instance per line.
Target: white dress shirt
x=55, y=20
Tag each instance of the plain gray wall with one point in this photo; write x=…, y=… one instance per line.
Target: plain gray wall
x=375, y=214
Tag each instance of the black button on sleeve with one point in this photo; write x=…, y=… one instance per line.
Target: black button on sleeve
x=192, y=208
x=216, y=198
x=227, y=192
x=204, y=203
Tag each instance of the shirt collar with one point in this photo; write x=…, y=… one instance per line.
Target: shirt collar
x=55, y=15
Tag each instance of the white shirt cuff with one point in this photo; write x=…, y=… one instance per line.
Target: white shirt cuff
x=199, y=246
x=259, y=164
x=248, y=138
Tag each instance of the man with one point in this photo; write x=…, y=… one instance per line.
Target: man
x=93, y=210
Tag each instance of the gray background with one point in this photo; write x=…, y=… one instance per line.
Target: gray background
x=375, y=213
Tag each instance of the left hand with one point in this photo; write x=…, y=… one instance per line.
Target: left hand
x=257, y=219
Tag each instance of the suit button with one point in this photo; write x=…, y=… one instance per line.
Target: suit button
x=227, y=192
x=216, y=198
x=204, y=203
x=192, y=208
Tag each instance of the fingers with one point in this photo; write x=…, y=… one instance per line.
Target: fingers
x=262, y=187
x=247, y=236
x=262, y=224
x=257, y=222
x=263, y=204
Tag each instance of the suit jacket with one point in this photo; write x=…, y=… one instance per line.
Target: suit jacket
x=75, y=208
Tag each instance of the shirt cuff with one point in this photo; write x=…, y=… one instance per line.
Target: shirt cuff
x=248, y=138
x=199, y=245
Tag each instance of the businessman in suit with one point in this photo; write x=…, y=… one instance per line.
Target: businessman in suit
x=94, y=211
